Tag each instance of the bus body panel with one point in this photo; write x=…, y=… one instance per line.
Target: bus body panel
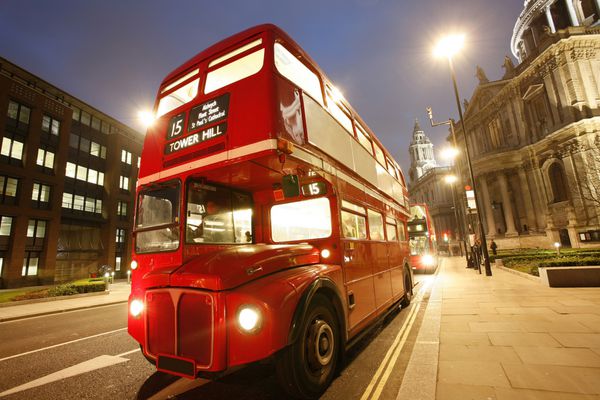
x=193, y=294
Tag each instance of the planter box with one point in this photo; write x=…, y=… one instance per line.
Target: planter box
x=585, y=276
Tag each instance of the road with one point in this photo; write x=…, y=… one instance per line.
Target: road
x=88, y=354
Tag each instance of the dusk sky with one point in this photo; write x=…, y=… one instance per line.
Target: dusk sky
x=113, y=54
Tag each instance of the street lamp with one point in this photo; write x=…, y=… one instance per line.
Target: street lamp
x=448, y=47
x=451, y=153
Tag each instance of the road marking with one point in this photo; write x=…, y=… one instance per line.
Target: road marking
x=128, y=352
x=61, y=344
x=59, y=312
x=393, y=352
x=181, y=385
x=102, y=361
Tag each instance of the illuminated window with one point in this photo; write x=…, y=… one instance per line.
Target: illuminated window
x=375, y=225
x=40, y=193
x=293, y=69
x=67, y=200
x=45, y=158
x=8, y=189
x=301, y=220
x=5, y=225
x=30, y=263
x=81, y=173
x=50, y=125
x=122, y=209
x=12, y=148
x=120, y=236
x=124, y=182
x=234, y=71
x=70, y=170
x=337, y=111
x=363, y=139
x=390, y=227
x=178, y=97
x=126, y=157
x=19, y=113
x=117, y=263
x=78, y=202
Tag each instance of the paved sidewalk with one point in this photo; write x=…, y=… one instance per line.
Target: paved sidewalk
x=506, y=337
x=118, y=293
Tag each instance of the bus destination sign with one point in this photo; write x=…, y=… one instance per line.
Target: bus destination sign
x=214, y=110
x=196, y=138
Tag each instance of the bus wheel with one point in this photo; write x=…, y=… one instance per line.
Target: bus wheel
x=306, y=368
x=408, y=289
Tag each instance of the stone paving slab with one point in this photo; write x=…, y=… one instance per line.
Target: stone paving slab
x=509, y=338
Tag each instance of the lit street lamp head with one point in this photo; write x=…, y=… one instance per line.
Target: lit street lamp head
x=449, y=153
x=449, y=45
x=450, y=179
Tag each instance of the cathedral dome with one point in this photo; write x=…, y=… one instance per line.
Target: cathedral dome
x=542, y=17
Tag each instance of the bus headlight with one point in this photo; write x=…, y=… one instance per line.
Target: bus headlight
x=249, y=319
x=134, y=265
x=136, y=307
x=428, y=260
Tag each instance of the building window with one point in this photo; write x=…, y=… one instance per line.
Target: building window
x=50, y=125
x=5, y=225
x=1, y=265
x=138, y=162
x=8, y=189
x=122, y=208
x=117, y=264
x=97, y=150
x=558, y=182
x=30, y=263
x=45, y=158
x=36, y=228
x=78, y=202
x=40, y=195
x=82, y=203
x=70, y=170
x=95, y=123
x=124, y=182
x=126, y=157
x=120, y=235
x=76, y=113
x=19, y=113
x=67, y=200
x=12, y=148
x=85, y=118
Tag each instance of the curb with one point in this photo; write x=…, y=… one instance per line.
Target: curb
x=15, y=318
x=519, y=273
x=55, y=298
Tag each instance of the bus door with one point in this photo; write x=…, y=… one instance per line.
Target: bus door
x=379, y=258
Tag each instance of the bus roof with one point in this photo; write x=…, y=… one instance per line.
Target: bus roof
x=234, y=40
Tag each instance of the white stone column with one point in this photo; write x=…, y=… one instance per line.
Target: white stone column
x=486, y=204
x=572, y=14
x=527, y=201
x=549, y=18
x=507, y=205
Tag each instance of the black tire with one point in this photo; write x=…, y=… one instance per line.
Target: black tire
x=306, y=368
x=408, y=289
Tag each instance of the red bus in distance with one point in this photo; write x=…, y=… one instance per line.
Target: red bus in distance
x=270, y=221
x=423, y=241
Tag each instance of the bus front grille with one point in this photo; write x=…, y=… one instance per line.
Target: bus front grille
x=180, y=322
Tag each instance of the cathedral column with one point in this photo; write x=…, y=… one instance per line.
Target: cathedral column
x=507, y=205
x=572, y=15
x=525, y=191
x=486, y=205
x=550, y=21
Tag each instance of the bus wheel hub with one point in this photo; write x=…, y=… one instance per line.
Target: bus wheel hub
x=320, y=345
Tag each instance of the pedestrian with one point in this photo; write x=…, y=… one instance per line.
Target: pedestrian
x=493, y=246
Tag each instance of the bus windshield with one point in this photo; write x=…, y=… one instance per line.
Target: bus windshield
x=157, y=219
x=217, y=215
x=419, y=245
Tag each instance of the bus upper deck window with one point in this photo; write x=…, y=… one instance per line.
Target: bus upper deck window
x=293, y=69
x=178, y=97
x=234, y=71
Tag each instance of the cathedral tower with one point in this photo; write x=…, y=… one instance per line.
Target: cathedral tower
x=421, y=153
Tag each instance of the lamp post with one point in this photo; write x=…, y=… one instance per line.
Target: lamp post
x=457, y=213
x=447, y=47
x=451, y=180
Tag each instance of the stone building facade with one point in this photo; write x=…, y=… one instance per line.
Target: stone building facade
x=427, y=186
x=67, y=184
x=534, y=135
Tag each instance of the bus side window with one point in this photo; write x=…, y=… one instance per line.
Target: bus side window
x=391, y=231
x=402, y=231
x=294, y=70
x=375, y=225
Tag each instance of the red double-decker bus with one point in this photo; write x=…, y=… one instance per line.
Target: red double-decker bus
x=270, y=222
x=423, y=241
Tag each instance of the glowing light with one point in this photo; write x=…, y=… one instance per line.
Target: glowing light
x=450, y=179
x=146, y=118
x=325, y=253
x=428, y=260
x=448, y=46
x=556, y=244
x=449, y=153
x=248, y=318
x=336, y=94
x=134, y=264
x=136, y=307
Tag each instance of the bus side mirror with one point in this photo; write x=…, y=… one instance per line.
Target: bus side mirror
x=290, y=186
